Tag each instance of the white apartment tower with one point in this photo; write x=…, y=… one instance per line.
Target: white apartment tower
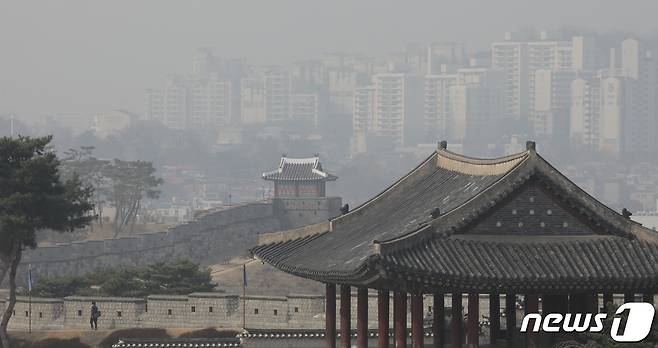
x=397, y=107
x=210, y=103
x=277, y=94
x=304, y=108
x=551, y=101
x=362, y=117
x=168, y=105
x=437, y=108
x=512, y=58
x=252, y=100
x=585, y=111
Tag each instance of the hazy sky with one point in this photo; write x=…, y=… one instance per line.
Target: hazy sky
x=58, y=56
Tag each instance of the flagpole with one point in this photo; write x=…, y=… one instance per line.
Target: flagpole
x=29, y=297
x=244, y=297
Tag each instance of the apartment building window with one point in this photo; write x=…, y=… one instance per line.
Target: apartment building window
x=255, y=310
x=296, y=309
x=276, y=312
x=79, y=312
x=169, y=311
x=209, y=309
x=193, y=309
x=118, y=314
x=40, y=315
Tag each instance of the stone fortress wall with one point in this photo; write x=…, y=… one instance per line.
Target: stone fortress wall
x=211, y=237
x=197, y=310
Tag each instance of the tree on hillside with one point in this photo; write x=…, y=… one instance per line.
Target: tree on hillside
x=32, y=197
x=130, y=183
x=89, y=169
x=182, y=277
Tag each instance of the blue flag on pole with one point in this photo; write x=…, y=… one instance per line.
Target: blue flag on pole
x=244, y=274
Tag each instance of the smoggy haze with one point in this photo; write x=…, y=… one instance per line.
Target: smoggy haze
x=87, y=56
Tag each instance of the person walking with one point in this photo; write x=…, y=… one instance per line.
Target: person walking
x=95, y=313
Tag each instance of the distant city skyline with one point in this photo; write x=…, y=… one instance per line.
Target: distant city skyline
x=75, y=56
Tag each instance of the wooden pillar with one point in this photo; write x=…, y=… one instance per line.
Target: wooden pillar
x=629, y=297
x=400, y=323
x=456, y=320
x=494, y=317
x=473, y=320
x=330, y=316
x=383, y=300
x=592, y=303
x=345, y=316
x=648, y=298
x=362, y=318
x=608, y=299
x=417, y=339
x=438, y=320
x=555, y=304
x=531, y=306
x=578, y=303
x=510, y=317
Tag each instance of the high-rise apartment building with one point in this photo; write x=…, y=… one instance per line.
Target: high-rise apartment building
x=252, y=100
x=615, y=111
x=168, y=105
x=640, y=124
x=198, y=103
x=450, y=54
x=551, y=100
x=277, y=94
x=477, y=105
x=437, y=107
x=304, y=108
x=512, y=58
x=585, y=111
x=210, y=103
x=341, y=84
x=362, y=117
x=398, y=104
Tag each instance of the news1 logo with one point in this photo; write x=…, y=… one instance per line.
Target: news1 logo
x=638, y=322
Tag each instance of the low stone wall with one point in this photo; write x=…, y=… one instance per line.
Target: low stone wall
x=196, y=310
x=199, y=310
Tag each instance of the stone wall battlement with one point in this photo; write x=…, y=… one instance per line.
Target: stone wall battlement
x=211, y=236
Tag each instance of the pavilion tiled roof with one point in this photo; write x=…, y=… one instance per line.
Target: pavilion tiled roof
x=296, y=169
x=397, y=239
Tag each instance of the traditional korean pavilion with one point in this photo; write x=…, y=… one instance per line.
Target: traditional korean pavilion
x=299, y=177
x=460, y=225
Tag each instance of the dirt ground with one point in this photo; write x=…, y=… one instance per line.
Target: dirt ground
x=88, y=337
x=261, y=279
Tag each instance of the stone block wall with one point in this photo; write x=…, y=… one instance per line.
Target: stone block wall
x=212, y=236
x=297, y=211
x=47, y=313
x=305, y=311
x=193, y=311
x=116, y=312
